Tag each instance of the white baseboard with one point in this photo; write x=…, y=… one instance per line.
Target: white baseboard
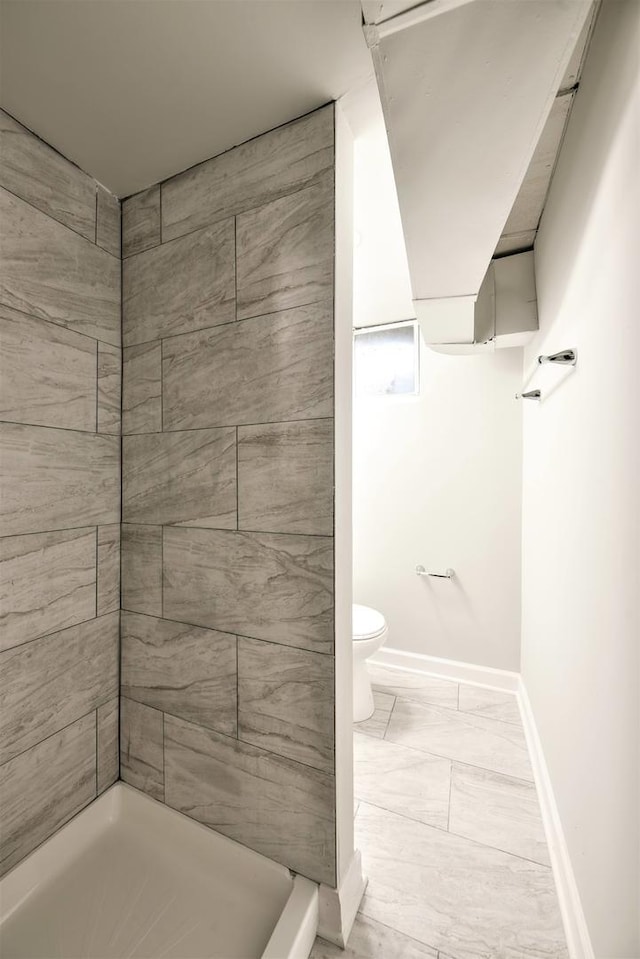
x=448, y=669
x=338, y=907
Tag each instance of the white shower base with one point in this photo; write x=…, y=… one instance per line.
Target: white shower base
x=130, y=877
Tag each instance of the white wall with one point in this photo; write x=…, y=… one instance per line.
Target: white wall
x=581, y=533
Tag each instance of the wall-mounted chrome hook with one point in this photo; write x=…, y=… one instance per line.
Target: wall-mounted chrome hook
x=530, y=395
x=563, y=358
x=447, y=574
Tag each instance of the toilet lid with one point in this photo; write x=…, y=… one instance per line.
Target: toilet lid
x=367, y=622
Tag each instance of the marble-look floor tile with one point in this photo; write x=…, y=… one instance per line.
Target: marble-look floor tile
x=371, y=940
x=142, y=388
x=470, y=900
x=108, y=569
x=181, y=478
x=141, y=569
x=184, y=670
x=493, y=703
x=56, y=479
x=285, y=251
x=403, y=780
x=465, y=737
x=284, y=363
x=47, y=373
x=108, y=221
x=264, y=585
x=285, y=477
x=44, y=787
x=416, y=686
x=281, y=161
x=278, y=807
x=498, y=811
x=377, y=723
x=109, y=376
x=141, y=221
x=108, y=752
x=47, y=582
x=188, y=284
x=286, y=700
x=142, y=747
x=48, y=271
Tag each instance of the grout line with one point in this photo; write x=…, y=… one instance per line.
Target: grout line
x=237, y=484
x=58, y=429
x=97, y=383
x=164, y=793
x=237, y=688
x=450, y=788
x=82, y=622
x=159, y=214
x=96, y=217
x=230, y=426
x=232, y=529
x=97, y=570
x=54, y=733
x=96, y=714
x=58, y=326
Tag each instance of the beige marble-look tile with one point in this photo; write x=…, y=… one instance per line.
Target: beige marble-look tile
x=283, y=361
x=464, y=737
x=371, y=940
x=142, y=747
x=50, y=682
x=47, y=582
x=142, y=388
x=187, y=284
x=108, y=753
x=108, y=221
x=281, y=161
x=277, y=807
x=109, y=376
x=48, y=271
x=184, y=670
x=498, y=811
x=181, y=478
x=493, y=703
x=56, y=479
x=285, y=251
x=47, y=373
x=473, y=901
x=141, y=569
x=264, y=585
x=44, y=178
x=286, y=702
x=141, y=221
x=406, y=781
x=377, y=723
x=108, y=568
x=285, y=477
x=416, y=686
x=44, y=787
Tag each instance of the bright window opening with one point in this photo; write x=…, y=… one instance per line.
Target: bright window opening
x=386, y=360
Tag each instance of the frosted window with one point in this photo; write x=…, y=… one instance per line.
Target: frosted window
x=386, y=360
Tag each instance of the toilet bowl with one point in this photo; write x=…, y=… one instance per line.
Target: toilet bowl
x=369, y=633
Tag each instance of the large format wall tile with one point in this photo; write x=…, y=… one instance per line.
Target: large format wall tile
x=277, y=807
x=47, y=582
x=108, y=221
x=184, y=478
x=141, y=572
x=286, y=702
x=184, y=670
x=272, y=368
x=285, y=251
x=141, y=221
x=109, y=374
x=56, y=479
x=50, y=272
x=34, y=171
x=44, y=787
x=184, y=285
x=108, y=597
x=279, y=162
x=47, y=373
x=142, y=388
x=48, y=683
x=285, y=477
x=107, y=745
x=264, y=585
x=142, y=747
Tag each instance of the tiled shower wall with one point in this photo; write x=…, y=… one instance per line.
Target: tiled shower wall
x=227, y=539
x=59, y=489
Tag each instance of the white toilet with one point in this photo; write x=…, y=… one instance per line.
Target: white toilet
x=369, y=633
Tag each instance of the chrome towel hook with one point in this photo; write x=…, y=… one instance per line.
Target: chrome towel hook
x=531, y=395
x=563, y=358
x=448, y=573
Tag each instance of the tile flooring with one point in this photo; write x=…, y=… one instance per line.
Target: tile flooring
x=450, y=830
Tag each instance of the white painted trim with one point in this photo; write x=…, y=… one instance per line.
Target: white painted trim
x=339, y=907
x=296, y=930
x=451, y=669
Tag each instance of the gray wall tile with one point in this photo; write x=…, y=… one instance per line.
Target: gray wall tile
x=108, y=222
x=50, y=272
x=142, y=388
x=264, y=585
x=277, y=807
x=108, y=752
x=109, y=375
x=142, y=748
x=185, y=478
x=34, y=171
x=50, y=682
x=285, y=477
x=47, y=582
x=283, y=361
x=47, y=373
x=108, y=568
x=56, y=479
x=285, y=251
x=185, y=285
x=184, y=670
x=286, y=702
x=141, y=570
x=141, y=221
x=279, y=162
x=44, y=787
